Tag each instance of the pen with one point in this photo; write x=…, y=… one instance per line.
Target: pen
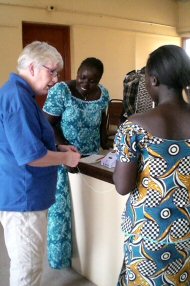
x=97, y=160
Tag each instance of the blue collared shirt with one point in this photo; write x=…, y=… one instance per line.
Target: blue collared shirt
x=25, y=136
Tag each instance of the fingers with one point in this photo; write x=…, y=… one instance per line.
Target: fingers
x=74, y=149
x=73, y=159
x=64, y=148
x=76, y=159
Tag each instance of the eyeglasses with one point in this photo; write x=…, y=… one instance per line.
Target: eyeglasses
x=53, y=73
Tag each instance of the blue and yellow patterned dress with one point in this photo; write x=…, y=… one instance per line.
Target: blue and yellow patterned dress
x=80, y=124
x=156, y=219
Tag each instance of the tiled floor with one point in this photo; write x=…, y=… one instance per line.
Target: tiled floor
x=51, y=277
x=67, y=277
x=64, y=278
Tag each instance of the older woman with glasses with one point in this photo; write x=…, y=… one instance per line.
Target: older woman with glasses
x=28, y=161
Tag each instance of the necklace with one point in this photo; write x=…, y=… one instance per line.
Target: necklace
x=84, y=96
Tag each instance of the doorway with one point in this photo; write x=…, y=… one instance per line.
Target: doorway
x=55, y=35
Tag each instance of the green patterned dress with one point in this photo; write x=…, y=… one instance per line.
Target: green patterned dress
x=80, y=124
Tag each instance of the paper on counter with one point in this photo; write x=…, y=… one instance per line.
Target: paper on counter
x=95, y=158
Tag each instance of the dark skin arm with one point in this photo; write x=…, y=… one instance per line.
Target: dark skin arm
x=125, y=177
x=60, y=139
x=55, y=121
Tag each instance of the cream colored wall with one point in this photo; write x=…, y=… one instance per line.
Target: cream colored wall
x=111, y=46
x=116, y=31
x=152, y=42
x=183, y=26
x=162, y=12
x=121, y=51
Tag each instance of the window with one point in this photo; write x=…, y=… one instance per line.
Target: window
x=186, y=45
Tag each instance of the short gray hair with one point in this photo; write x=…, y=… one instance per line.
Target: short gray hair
x=39, y=53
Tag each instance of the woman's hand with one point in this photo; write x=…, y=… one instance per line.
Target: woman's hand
x=65, y=148
x=71, y=158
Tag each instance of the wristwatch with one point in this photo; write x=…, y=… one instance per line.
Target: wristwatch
x=57, y=147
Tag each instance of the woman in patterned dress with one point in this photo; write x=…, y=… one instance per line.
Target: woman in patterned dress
x=76, y=110
x=153, y=167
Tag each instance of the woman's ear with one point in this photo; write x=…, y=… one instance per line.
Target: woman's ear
x=154, y=81
x=31, y=69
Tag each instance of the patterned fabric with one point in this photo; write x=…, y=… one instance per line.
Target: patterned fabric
x=156, y=220
x=143, y=100
x=59, y=224
x=80, y=120
x=80, y=123
x=130, y=89
x=135, y=95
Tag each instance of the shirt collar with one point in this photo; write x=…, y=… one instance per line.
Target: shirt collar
x=16, y=77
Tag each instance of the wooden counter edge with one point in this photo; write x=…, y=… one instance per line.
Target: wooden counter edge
x=95, y=172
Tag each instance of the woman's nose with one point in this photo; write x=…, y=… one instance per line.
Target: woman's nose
x=86, y=84
x=55, y=79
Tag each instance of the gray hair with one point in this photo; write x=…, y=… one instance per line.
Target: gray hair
x=39, y=53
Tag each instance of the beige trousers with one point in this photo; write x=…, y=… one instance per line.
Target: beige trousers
x=25, y=238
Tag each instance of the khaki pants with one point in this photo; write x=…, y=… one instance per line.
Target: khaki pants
x=25, y=238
